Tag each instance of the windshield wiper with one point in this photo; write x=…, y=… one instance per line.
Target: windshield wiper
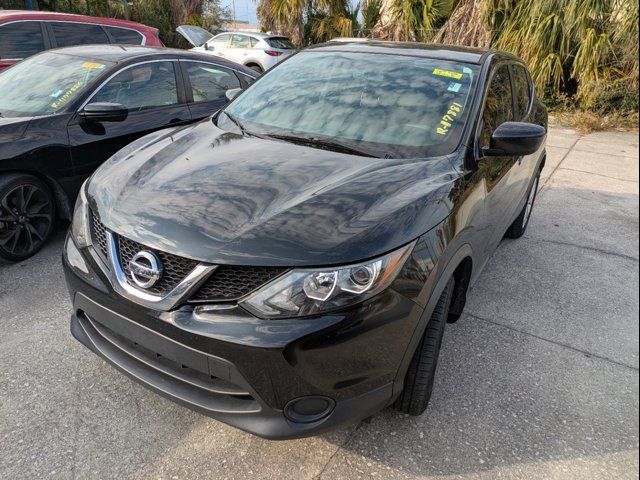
x=320, y=143
x=236, y=122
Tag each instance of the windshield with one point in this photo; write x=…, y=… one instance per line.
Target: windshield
x=46, y=83
x=384, y=105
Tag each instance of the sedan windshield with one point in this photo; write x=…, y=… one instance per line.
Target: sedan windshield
x=46, y=83
x=382, y=105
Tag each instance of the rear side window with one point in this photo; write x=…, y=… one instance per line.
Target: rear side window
x=209, y=82
x=20, y=39
x=522, y=90
x=125, y=36
x=248, y=79
x=280, y=42
x=68, y=34
x=499, y=105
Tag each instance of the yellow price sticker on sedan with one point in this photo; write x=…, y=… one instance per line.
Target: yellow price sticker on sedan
x=447, y=73
x=92, y=65
x=448, y=118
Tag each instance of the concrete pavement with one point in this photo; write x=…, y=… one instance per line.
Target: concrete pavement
x=539, y=379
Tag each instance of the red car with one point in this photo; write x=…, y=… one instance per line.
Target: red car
x=24, y=33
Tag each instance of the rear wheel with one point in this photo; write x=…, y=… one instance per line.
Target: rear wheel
x=255, y=67
x=26, y=216
x=418, y=383
x=519, y=226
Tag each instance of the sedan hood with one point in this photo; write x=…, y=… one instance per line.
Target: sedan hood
x=219, y=197
x=13, y=128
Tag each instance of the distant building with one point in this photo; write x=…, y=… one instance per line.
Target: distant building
x=241, y=26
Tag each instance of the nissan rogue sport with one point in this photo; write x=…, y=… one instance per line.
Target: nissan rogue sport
x=290, y=264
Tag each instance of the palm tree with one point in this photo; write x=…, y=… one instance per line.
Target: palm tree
x=581, y=47
x=284, y=16
x=327, y=19
x=418, y=19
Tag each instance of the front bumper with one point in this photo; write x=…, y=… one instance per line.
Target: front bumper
x=246, y=371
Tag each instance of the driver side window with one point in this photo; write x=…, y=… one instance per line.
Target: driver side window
x=144, y=86
x=498, y=106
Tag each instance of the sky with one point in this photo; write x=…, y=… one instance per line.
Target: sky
x=245, y=9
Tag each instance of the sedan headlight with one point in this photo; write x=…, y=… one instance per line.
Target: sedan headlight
x=80, y=224
x=303, y=292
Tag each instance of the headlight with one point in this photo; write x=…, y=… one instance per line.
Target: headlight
x=310, y=291
x=80, y=224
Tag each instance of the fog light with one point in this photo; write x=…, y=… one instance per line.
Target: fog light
x=309, y=409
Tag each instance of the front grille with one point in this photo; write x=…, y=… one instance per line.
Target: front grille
x=174, y=268
x=226, y=284
x=232, y=282
x=99, y=236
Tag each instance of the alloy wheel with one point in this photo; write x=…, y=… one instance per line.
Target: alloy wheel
x=26, y=216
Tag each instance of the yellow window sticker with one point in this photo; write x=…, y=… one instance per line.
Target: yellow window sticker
x=67, y=95
x=447, y=73
x=92, y=65
x=448, y=118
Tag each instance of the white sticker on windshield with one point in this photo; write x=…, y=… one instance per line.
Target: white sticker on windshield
x=454, y=87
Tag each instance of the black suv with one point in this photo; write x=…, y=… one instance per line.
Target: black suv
x=290, y=264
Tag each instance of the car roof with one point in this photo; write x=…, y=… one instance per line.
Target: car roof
x=413, y=49
x=8, y=15
x=125, y=53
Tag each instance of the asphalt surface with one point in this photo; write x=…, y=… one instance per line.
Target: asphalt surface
x=539, y=379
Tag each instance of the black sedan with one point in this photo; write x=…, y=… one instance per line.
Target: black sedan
x=64, y=112
x=290, y=265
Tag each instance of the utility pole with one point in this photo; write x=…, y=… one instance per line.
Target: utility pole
x=234, y=14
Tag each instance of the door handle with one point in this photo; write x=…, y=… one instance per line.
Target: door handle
x=173, y=121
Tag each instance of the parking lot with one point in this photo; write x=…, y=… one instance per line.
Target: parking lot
x=539, y=379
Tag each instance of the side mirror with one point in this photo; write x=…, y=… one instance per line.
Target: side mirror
x=209, y=48
x=515, y=139
x=232, y=93
x=104, y=112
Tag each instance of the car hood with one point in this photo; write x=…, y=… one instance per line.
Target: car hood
x=219, y=197
x=196, y=36
x=13, y=128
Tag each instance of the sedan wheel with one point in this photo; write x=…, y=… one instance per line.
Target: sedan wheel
x=26, y=216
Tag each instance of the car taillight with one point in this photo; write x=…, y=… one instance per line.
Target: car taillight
x=272, y=53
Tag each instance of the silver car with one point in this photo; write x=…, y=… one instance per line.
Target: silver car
x=258, y=51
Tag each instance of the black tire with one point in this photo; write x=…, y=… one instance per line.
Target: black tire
x=418, y=383
x=256, y=68
x=519, y=225
x=27, y=214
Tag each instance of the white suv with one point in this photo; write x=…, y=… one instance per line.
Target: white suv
x=258, y=51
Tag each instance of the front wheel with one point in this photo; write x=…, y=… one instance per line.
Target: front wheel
x=418, y=383
x=519, y=225
x=26, y=216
